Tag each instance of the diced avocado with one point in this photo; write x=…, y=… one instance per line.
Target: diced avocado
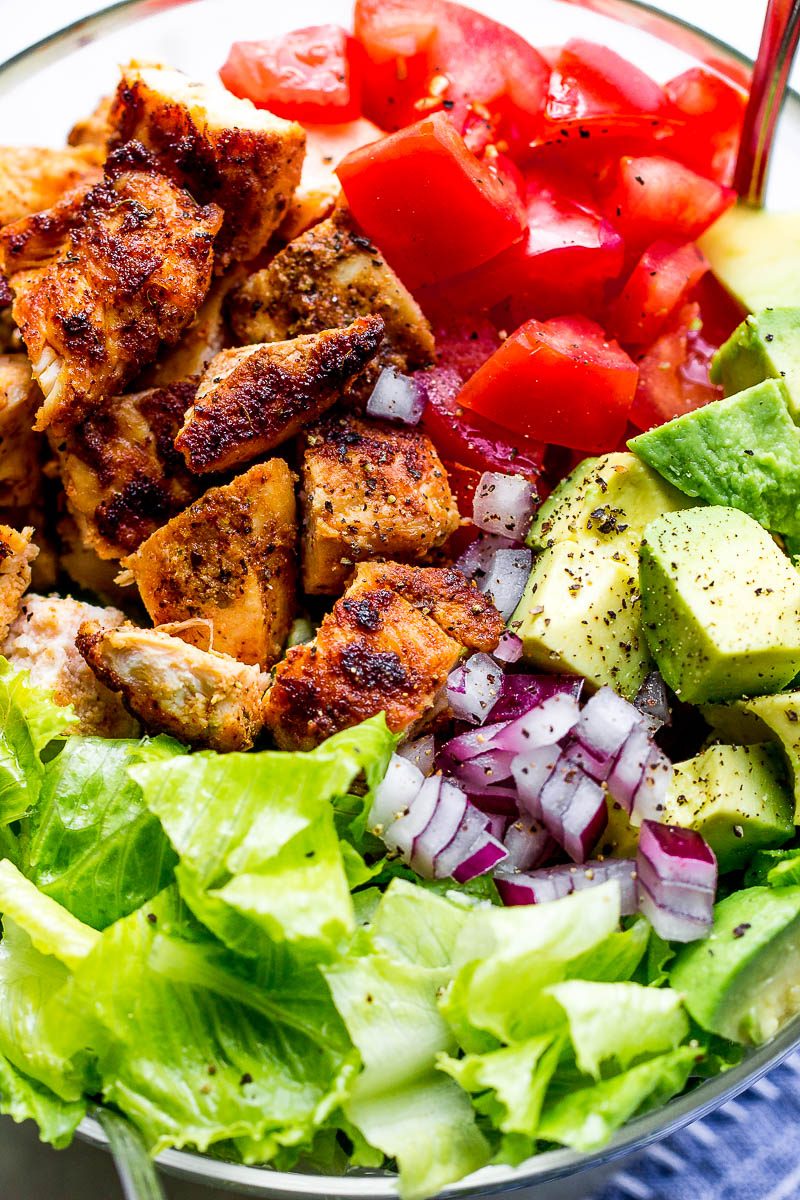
x=720, y=605
x=604, y=498
x=619, y=838
x=743, y=981
x=775, y=717
x=736, y=796
x=580, y=613
x=743, y=452
x=765, y=346
x=754, y=253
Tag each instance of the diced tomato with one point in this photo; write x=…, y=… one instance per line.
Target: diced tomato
x=428, y=54
x=564, y=263
x=558, y=381
x=430, y=206
x=659, y=282
x=464, y=343
x=673, y=372
x=463, y=484
x=311, y=74
x=594, y=91
x=713, y=109
x=656, y=197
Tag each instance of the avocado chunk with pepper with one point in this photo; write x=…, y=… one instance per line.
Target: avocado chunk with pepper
x=720, y=605
x=743, y=452
x=736, y=797
x=580, y=613
x=775, y=717
x=743, y=981
x=754, y=253
x=604, y=498
x=765, y=346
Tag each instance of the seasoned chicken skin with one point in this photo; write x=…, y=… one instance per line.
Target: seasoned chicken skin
x=201, y=342
x=372, y=490
x=16, y=555
x=94, y=132
x=376, y=651
x=122, y=475
x=322, y=280
x=19, y=444
x=199, y=696
x=33, y=178
x=221, y=148
x=256, y=397
x=42, y=641
x=229, y=559
x=102, y=279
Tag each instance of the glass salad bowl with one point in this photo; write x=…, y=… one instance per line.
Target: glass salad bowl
x=46, y=88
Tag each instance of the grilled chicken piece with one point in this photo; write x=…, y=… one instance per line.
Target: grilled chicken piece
x=199, y=696
x=222, y=149
x=319, y=189
x=101, y=279
x=16, y=555
x=376, y=651
x=252, y=399
x=122, y=475
x=324, y=279
x=230, y=560
x=94, y=131
x=201, y=342
x=42, y=641
x=32, y=178
x=372, y=490
x=19, y=446
x=87, y=570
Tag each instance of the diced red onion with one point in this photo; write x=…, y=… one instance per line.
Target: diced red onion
x=520, y=693
x=474, y=687
x=509, y=648
x=472, y=826
x=528, y=844
x=503, y=504
x=573, y=808
x=606, y=722
x=444, y=823
x=476, y=559
x=652, y=702
x=677, y=880
x=395, y=793
x=421, y=752
x=479, y=773
x=649, y=797
x=531, y=772
x=542, y=725
x=628, y=770
x=484, y=856
x=396, y=397
x=471, y=744
x=401, y=835
x=496, y=824
x=551, y=883
x=506, y=578
x=500, y=800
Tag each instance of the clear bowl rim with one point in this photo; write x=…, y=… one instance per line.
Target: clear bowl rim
x=706, y=1096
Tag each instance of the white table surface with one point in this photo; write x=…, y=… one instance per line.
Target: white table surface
x=29, y=1171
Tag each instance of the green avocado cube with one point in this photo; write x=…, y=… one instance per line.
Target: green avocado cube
x=580, y=614
x=743, y=452
x=743, y=981
x=765, y=346
x=720, y=605
x=754, y=253
x=736, y=797
x=604, y=498
x=750, y=721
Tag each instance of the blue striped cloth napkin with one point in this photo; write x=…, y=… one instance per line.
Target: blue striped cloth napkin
x=747, y=1150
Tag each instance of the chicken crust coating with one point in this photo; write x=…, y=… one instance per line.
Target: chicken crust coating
x=229, y=559
x=103, y=278
x=372, y=490
x=374, y=652
x=253, y=398
x=221, y=148
x=323, y=279
x=17, y=552
x=20, y=446
x=202, y=341
x=33, y=178
x=42, y=641
x=122, y=475
x=199, y=696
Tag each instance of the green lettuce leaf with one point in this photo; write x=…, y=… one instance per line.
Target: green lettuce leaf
x=91, y=843
x=260, y=858
x=774, y=868
x=25, y=1099
x=619, y=1023
x=584, y=1117
x=616, y=958
x=29, y=721
x=510, y=1084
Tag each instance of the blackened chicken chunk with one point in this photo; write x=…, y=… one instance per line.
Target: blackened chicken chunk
x=230, y=561
x=20, y=445
x=198, y=696
x=224, y=150
x=372, y=490
x=103, y=278
x=256, y=397
x=17, y=552
x=33, y=178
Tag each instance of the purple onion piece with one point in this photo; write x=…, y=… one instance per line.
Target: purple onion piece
x=543, y=725
x=476, y=559
x=520, y=693
x=551, y=883
x=421, y=752
x=509, y=648
x=496, y=824
x=528, y=844
x=606, y=722
x=401, y=835
x=505, y=579
x=677, y=880
x=503, y=504
x=628, y=770
x=474, y=687
x=573, y=809
x=649, y=797
x=532, y=771
x=396, y=397
x=678, y=855
x=472, y=826
x=501, y=800
x=395, y=793
x=484, y=856
x=471, y=744
x=442, y=827
x=480, y=773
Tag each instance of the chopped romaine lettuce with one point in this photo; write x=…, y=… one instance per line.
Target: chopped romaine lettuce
x=29, y=721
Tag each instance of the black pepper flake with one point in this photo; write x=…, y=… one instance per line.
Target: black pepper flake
x=741, y=930
x=769, y=337
x=152, y=918
x=246, y=1078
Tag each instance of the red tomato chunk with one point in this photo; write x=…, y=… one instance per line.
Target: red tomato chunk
x=658, y=284
x=656, y=197
x=713, y=111
x=595, y=88
x=559, y=381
